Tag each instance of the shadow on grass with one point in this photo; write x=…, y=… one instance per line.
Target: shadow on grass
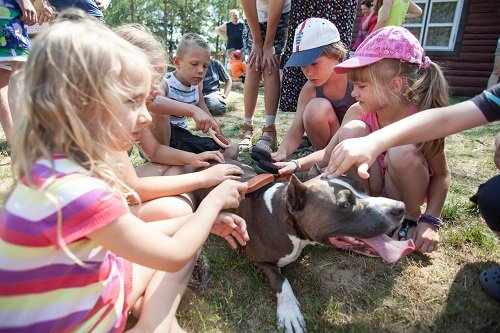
x=465, y=297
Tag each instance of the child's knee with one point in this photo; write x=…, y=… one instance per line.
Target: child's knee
x=404, y=158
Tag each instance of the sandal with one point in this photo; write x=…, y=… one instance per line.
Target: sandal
x=267, y=140
x=490, y=281
x=246, y=134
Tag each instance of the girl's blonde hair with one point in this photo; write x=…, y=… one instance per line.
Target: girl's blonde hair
x=424, y=88
x=190, y=41
x=140, y=36
x=335, y=50
x=76, y=74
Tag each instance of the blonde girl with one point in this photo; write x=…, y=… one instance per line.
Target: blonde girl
x=326, y=96
x=72, y=256
x=394, y=79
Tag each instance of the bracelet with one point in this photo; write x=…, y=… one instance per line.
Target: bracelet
x=297, y=165
x=432, y=220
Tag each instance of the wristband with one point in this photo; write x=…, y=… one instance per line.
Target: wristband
x=432, y=220
x=297, y=165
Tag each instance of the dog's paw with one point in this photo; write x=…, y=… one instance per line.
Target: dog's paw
x=290, y=318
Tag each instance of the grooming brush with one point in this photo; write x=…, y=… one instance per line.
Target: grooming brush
x=219, y=138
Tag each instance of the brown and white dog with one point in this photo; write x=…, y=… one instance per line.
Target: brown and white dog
x=289, y=215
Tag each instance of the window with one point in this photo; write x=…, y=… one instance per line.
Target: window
x=438, y=26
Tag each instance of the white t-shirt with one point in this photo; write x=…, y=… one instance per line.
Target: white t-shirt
x=263, y=9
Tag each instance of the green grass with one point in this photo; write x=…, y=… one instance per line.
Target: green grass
x=346, y=292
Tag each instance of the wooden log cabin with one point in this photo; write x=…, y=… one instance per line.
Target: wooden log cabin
x=461, y=36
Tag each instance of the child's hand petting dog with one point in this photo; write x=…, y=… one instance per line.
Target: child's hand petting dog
x=231, y=227
x=227, y=195
x=216, y=174
x=201, y=160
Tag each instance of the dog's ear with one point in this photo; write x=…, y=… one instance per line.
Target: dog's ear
x=295, y=194
x=314, y=171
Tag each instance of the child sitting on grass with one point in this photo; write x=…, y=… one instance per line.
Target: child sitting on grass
x=185, y=85
x=72, y=256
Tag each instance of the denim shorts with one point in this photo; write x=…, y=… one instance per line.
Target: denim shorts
x=279, y=38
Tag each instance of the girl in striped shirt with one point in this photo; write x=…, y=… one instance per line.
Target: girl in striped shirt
x=72, y=256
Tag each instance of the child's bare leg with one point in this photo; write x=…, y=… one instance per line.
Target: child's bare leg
x=5, y=115
x=271, y=91
x=156, y=296
x=320, y=122
x=251, y=91
x=407, y=178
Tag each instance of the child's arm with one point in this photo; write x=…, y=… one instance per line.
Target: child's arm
x=296, y=130
x=166, y=106
x=149, y=188
x=138, y=242
x=320, y=157
x=228, y=84
x=437, y=123
x=426, y=236
x=201, y=104
x=255, y=56
x=163, y=154
x=366, y=22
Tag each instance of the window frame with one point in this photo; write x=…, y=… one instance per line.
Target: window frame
x=424, y=25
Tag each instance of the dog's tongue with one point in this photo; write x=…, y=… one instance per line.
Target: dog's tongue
x=389, y=249
x=384, y=246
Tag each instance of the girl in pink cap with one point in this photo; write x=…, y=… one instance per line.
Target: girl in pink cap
x=393, y=79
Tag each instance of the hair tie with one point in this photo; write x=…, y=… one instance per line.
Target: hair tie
x=426, y=63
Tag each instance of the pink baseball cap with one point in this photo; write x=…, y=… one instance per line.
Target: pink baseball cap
x=311, y=37
x=237, y=53
x=390, y=42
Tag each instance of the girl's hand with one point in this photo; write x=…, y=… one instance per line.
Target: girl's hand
x=201, y=160
x=286, y=168
x=228, y=194
x=278, y=156
x=360, y=152
x=215, y=175
x=255, y=57
x=230, y=227
x=425, y=236
x=270, y=61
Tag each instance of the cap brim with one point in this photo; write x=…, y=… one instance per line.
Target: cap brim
x=355, y=62
x=304, y=58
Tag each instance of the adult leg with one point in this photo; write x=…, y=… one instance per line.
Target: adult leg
x=156, y=296
x=320, y=122
x=250, y=94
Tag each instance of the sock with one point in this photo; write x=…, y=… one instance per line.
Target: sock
x=249, y=121
x=270, y=120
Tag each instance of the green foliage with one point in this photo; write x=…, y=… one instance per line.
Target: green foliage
x=169, y=19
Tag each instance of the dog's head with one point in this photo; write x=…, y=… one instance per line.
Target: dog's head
x=340, y=207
